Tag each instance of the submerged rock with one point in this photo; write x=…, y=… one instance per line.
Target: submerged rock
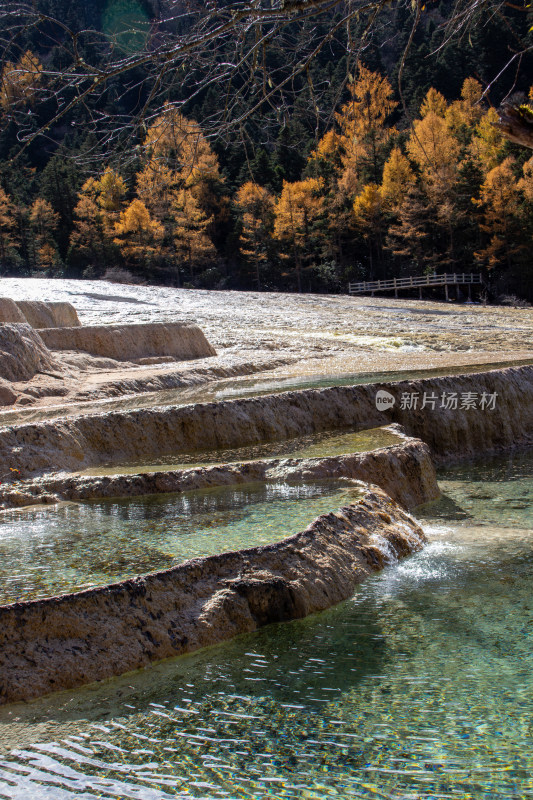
x=62, y=642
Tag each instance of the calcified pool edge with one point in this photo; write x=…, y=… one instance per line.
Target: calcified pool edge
x=79, y=442
x=405, y=471
x=63, y=642
x=67, y=641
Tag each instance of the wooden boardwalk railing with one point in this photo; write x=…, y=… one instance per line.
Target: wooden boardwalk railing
x=417, y=282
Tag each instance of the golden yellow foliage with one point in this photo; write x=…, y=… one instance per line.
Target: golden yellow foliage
x=362, y=119
x=433, y=148
x=329, y=147
x=46, y=256
x=179, y=157
x=434, y=101
x=156, y=187
x=137, y=234
x=398, y=177
x=255, y=200
x=499, y=193
x=256, y=205
x=465, y=113
x=111, y=189
x=8, y=237
x=488, y=144
x=367, y=207
x=471, y=93
x=99, y=204
x=43, y=218
x=499, y=201
x=299, y=206
x=19, y=82
x=89, y=228
x=525, y=184
x=179, y=143
x=192, y=243
x=44, y=221
x=326, y=158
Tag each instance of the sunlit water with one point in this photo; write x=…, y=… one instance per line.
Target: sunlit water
x=317, y=445
x=234, y=388
x=49, y=550
x=419, y=687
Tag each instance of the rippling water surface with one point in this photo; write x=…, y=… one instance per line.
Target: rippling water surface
x=420, y=686
x=49, y=550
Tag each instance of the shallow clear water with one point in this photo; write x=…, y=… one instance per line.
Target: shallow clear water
x=234, y=388
x=495, y=491
x=317, y=445
x=49, y=550
x=419, y=687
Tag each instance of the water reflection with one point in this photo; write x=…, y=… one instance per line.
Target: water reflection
x=233, y=388
x=418, y=687
x=49, y=550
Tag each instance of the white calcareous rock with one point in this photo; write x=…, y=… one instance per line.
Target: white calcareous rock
x=131, y=342
x=49, y=315
x=23, y=353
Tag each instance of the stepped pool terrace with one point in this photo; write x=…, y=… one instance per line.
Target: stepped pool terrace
x=419, y=686
x=52, y=550
x=318, y=445
x=234, y=388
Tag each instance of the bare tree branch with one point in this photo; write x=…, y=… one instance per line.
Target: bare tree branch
x=256, y=53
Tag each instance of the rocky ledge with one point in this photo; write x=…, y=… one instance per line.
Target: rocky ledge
x=405, y=471
x=63, y=642
x=452, y=414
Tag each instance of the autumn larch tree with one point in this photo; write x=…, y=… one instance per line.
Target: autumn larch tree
x=20, y=81
x=96, y=214
x=362, y=121
x=370, y=221
x=500, y=205
x=180, y=184
x=8, y=236
x=297, y=210
x=192, y=244
x=138, y=236
x=256, y=206
x=436, y=152
x=44, y=221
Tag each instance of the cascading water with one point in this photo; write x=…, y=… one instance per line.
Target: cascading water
x=419, y=686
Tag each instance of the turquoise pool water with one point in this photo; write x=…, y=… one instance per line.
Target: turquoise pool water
x=419, y=687
x=50, y=550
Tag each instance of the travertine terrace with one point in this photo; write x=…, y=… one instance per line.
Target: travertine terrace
x=133, y=341
x=63, y=642
x=279, y=338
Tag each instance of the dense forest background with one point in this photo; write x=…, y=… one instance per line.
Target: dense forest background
x=298, y=199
